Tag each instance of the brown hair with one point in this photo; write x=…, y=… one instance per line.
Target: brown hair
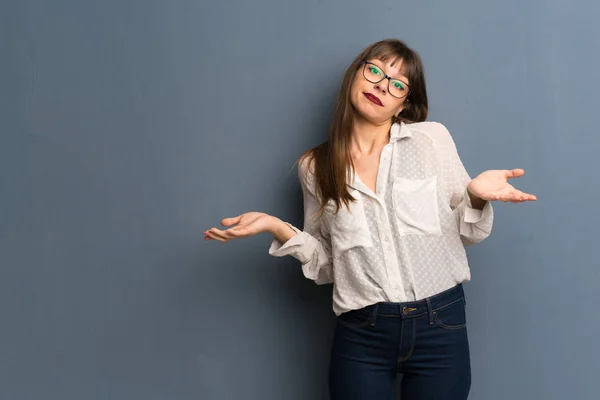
x=332, y=159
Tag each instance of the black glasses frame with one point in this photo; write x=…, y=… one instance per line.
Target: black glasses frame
x=385, y=76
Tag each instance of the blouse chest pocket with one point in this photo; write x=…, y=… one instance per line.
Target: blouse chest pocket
x=348, y=226
x=415, y=204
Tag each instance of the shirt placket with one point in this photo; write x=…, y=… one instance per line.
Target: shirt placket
x=394, y=284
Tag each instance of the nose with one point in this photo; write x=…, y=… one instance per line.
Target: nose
x=381, y=86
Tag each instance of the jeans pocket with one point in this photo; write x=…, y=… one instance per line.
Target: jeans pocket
x=451, y=316
x=357, y=318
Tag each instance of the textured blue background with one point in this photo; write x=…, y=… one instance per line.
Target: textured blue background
x=129, y=127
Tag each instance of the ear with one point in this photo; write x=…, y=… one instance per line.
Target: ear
x=399, y=110
x=402, y=106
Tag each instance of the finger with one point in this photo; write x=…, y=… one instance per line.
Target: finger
x=524, y=196
x=514, y=173
x=231, y=221
x=530, y=197
x=515, y=195
x=218, y=234
x=512, y=198
x=211, y=236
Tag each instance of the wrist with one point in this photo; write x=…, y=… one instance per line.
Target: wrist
x=274, y=225
x=476, y=201
x=281, y=230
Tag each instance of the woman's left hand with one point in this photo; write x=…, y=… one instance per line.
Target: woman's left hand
x=493, y=185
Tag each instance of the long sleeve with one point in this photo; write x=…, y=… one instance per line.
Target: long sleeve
x=312, y=246
x=473, y=225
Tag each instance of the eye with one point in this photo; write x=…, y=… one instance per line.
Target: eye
x=398, y=85
x=374, y=70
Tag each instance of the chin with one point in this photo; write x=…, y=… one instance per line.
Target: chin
x=370, y=114
x=364, y=110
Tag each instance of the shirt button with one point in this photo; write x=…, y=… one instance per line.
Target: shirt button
x=389, y=248
x=386, y=239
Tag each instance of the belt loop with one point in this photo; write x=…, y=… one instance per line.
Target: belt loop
x=374, y=315
x=429, y=310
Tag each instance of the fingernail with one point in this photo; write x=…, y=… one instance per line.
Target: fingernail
x=206, y=238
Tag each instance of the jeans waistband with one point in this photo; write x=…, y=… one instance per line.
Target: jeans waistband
x=420, y=307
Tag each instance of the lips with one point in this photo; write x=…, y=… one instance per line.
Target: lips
x=373, y=99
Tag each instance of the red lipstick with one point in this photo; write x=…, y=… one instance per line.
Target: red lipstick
x=374, y=99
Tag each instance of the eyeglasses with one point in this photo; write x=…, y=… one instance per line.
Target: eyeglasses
x=374, y=74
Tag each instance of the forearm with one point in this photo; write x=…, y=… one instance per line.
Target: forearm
x=281, y=231
x=314, y=252
x=475, y=220
x=476, y=202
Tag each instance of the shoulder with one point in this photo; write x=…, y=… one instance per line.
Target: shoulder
x=306, y=166
x=307, y=162
x=306, y=171
x=435, y=131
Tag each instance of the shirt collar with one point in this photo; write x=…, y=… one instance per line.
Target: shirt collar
x=399, y=131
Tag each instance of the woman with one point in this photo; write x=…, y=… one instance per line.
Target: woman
x=388, y=208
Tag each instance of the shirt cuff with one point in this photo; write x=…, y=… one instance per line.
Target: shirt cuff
x=473, y=215
x=296, y=246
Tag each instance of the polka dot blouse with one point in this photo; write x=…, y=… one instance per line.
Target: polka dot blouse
x=403, y=242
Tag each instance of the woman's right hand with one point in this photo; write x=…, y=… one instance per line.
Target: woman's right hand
x=248, y=224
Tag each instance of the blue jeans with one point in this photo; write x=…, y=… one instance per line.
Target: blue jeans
x=425, y=341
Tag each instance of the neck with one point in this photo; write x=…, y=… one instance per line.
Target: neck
x=368, y=137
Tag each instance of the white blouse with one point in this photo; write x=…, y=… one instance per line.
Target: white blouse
x=404, y=242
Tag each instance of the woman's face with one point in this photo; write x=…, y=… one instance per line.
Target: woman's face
x=373, y=101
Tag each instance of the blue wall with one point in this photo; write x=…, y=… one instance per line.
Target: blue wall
x=129, y=127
